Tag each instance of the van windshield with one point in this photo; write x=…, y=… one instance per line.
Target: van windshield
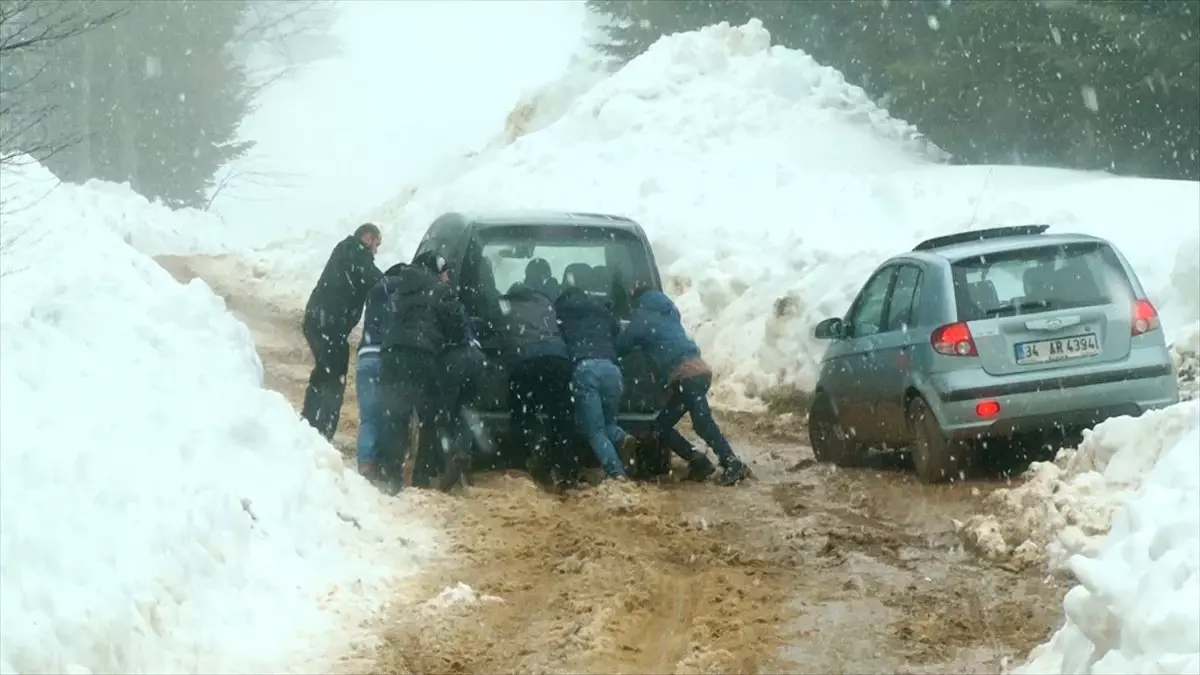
x=1038, y=279
x=605, y=262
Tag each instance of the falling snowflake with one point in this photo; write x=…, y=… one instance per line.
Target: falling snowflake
x=1089, y=98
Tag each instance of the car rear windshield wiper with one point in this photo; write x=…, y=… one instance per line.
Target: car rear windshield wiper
x=1020, y=307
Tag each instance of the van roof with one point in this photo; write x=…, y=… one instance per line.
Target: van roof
x=548, y=218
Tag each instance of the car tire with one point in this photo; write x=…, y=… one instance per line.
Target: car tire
x=936, y=457
x=651, y=460
x=831, y=441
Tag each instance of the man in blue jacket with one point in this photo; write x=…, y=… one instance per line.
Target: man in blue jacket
x=373, y=432
x=590, y=331
x=657, y=328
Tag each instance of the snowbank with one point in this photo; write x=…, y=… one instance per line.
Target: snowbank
x=159, y=510
x=1065, y=507
x=770, y=188
x=1136, y=608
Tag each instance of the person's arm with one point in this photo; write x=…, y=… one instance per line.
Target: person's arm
x=634, y=334
x=452, y=317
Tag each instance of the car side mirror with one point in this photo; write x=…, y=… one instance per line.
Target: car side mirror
x=830, y=329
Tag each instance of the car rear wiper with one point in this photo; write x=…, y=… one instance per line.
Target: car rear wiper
x=1014, y=308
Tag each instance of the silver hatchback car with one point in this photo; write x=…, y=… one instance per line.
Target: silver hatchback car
x=990, y=334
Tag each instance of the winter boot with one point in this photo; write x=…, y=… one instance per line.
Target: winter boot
x=734, y=473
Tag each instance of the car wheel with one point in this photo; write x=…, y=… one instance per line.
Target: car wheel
x=651, y=459
x=936, y=457
x=831, y=441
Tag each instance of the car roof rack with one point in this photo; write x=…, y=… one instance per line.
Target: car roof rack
x=980, y=235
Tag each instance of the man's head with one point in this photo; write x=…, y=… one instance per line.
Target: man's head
x=370, y=236
x=436, y=264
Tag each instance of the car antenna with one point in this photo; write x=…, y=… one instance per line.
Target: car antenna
x=979, y=200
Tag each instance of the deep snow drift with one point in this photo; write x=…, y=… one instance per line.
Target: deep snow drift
x=1136, y=608
x=770, y=188
x=159, y=510
x=1065, y=507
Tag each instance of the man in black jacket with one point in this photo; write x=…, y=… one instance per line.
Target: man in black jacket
x=333, y=309
x=539, y=381
x=427, y=318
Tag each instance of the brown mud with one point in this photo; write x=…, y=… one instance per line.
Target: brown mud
x=806, y=568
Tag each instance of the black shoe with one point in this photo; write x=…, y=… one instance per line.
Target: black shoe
x=734, y=473
x=700, y=468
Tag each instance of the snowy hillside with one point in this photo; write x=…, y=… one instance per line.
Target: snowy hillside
x=159, y=510
x=770, y=188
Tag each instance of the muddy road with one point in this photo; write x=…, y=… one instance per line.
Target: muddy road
x=804, y=569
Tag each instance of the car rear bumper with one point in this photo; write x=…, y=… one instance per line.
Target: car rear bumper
x=1065, y=401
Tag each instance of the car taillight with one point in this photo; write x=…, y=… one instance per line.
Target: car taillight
x=1145, y=317
x=953, y=340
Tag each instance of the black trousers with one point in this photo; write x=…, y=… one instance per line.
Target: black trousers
x=448, y=451
x=327, y=383
x=542, y=385
x=407, y=390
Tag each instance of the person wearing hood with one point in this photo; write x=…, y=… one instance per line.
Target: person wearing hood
x=373, y=432
x=333, y=309
x=426, y=317
x=657, y=328
x=539, y=381
x=590, y=331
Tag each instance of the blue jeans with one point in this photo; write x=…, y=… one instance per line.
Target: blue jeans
x=690, y=396
x=371, y=420
x=598, y=388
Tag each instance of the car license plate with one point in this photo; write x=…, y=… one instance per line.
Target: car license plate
x=1060, y=349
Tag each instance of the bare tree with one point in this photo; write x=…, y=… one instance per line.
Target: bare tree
x=29, y=31
x=289, y=35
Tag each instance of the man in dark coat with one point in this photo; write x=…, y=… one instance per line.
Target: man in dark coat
x=426, y=319
x=539, y=381
x=590, y=331
x=657, y=328
x=333, y=309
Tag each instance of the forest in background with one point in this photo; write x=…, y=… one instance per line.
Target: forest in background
x=145, y=93
x=1108, y=85
x=151, y=93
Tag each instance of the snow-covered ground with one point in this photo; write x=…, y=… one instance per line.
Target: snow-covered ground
x=160, y=511
x=770, y=188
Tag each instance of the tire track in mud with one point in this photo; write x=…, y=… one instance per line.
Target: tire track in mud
x=805, y=569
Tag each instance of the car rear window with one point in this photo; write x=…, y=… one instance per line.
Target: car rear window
x=605, y=262
x=1038, y=279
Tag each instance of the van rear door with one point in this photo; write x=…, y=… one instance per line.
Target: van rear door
x=607, y=262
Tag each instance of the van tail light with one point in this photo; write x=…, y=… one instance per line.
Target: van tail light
x=1145, y=317
x=986, y=409
x=954, y=340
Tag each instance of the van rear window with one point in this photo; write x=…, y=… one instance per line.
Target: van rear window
x=1038, y=279
x=605, y=262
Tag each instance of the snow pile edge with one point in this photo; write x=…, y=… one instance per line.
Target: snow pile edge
x=1065, y=507
x=159, y=510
